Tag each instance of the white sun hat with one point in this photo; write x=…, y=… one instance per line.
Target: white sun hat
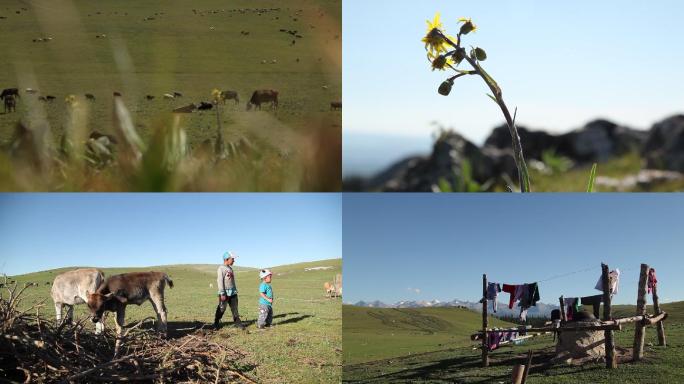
x=264, y=273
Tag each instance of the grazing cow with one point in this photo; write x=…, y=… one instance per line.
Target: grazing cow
x=185, y=109
x=330, y=290
x=50, y=98
x=42, y=98
x=230, y=95
x=177, y=94
x=10, y=104
x=263, y=96
x=149, y=97
x=71, y=288
x=335, y=105
x=169, y=96
x=90, y=96
x=118, y=291
x=9, y=92
x=204, y=106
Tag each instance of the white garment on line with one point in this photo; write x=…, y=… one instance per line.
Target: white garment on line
x=614, y=278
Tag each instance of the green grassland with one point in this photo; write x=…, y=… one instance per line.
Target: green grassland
x=304, y=346
x=454, y=360
x=193, y=53
x=378, y=333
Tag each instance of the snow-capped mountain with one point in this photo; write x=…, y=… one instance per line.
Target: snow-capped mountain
x=540, y=310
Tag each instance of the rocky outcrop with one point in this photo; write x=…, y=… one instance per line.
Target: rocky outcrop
x=449, y=153
x=664, y=147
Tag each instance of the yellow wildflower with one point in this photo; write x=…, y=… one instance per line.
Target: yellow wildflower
x=216, y=94
x=440, y=62
x=434, y=39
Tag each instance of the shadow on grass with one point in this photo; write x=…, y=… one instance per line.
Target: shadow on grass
x=458, y=369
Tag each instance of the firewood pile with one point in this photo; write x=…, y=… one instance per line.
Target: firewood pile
x=36, y=349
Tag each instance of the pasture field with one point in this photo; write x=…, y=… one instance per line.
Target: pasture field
x=305, y=345
x=153, y=48
x=454, y=360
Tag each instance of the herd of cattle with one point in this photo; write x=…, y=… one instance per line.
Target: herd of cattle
x=259, y=97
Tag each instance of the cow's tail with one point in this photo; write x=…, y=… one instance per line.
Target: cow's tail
x=168, y=280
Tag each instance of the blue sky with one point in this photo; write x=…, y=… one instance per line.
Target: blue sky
x=561, y=63
x=441, y=244
x=45, y=231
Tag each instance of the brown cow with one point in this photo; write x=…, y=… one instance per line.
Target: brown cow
x=263, y=96
x=118, y=291
x=335, y=105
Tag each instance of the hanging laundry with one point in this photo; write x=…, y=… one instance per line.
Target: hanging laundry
x=614, y=282
x=493, y=290
x=515, y=291
x=594, y=301
x=529, y=297
x=652, y=280
x=572, y=307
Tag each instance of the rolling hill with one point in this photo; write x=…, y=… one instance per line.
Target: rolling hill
x=378, y=333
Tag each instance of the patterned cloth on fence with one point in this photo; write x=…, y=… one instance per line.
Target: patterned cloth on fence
x=614, y=282
x=494, y=339
x=594, y=301
x=493, y=290
x=652, y=280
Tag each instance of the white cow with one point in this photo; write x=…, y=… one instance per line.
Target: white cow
x=70, y=288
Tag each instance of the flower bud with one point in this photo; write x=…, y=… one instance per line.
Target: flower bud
x=459, y=55
x=439, y=62
x=480, y=54
x=467, y=27
x=445, y=88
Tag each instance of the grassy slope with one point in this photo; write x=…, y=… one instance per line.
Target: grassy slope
x=576, y=180
x=462, y=365
x=304, y=346
x=178, y=51
x=377, y=333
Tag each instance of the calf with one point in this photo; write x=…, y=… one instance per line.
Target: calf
x=118, y=291
x=71, y=288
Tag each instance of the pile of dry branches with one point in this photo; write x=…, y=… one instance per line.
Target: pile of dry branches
x=33, y=349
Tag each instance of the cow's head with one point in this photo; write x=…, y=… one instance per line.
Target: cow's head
x=99, y=303
x=249, y=106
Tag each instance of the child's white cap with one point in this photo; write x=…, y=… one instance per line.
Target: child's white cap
x=264, y=273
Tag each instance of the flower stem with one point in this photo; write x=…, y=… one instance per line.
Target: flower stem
x=523, y=175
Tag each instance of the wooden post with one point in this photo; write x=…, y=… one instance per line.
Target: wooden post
x=528, y=366
x=611, y=362
x=564, y=317
x=639, y=334
x=660, y=326
x=485, y=339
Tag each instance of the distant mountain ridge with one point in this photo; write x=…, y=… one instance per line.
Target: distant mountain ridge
x=540, y=310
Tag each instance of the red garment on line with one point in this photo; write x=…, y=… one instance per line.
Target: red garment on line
x=508, y=288
x=652, y=280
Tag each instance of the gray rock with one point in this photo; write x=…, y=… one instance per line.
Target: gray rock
x=664, y=148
